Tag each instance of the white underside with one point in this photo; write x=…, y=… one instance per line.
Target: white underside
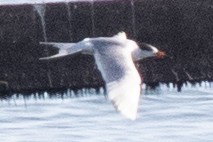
x=116, y=66
x=125, y=97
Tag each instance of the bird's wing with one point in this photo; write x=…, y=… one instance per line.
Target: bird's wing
x=64, y=49
x=121, y=77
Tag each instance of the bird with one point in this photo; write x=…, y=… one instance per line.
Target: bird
x=114, y=57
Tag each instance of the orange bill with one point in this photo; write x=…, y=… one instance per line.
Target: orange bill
x=160, y=54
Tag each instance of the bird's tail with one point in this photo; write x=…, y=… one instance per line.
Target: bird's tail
x=63, y=49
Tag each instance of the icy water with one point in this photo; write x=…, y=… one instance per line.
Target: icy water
x=164, y=116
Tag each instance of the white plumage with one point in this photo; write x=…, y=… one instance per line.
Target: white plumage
x=114, y=58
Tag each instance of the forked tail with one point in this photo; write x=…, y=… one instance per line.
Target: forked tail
x=64, y=49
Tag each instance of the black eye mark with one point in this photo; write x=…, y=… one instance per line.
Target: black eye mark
x=144, y=46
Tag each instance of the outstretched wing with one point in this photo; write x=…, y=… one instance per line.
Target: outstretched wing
x=121, y=77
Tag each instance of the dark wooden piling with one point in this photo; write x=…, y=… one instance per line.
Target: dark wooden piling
x=183, y=29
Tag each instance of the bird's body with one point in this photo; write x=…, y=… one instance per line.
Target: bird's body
x=114, y=58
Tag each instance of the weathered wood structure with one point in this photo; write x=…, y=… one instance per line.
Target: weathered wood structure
x=181, y=28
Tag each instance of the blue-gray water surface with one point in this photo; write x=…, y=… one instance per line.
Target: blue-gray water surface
x=164, y=116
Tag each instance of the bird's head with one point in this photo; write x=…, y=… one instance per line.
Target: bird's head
x=148, y=50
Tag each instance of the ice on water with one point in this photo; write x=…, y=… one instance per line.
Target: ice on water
x=165, y=115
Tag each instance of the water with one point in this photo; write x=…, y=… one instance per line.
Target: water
x=164, y=116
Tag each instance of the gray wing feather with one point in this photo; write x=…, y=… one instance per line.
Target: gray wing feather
x=121, y=77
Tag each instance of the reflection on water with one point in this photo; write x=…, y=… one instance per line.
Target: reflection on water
x=164, y=115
